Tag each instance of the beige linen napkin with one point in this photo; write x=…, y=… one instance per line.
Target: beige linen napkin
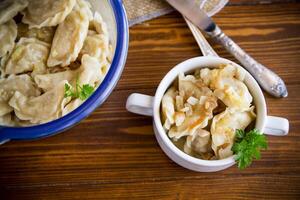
x=142, y=10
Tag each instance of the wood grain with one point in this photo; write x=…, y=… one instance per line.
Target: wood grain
x=113, y=154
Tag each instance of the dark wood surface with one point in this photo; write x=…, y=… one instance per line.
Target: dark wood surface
x=113, y=154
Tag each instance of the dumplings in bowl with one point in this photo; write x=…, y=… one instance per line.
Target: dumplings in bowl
x=51, y=61
x=202, y=111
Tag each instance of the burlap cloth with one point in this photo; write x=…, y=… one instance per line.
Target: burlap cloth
x=142, y=10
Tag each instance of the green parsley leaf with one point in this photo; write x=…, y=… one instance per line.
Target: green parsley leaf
x=247, y=146
x=68, y=91
x=82, y=92
x=86, y=91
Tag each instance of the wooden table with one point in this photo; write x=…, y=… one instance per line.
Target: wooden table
x=113, y=154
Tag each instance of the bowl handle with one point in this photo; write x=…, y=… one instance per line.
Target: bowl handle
x=277, y=126
x=140, y=104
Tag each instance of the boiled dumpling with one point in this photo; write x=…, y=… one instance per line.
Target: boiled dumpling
x=8, y=86
x=41, y=109
x=99, y=26
x=228, y=86
x=71, y=106
x=90, y=72
x=223, y=129
x=70, y=35
x=8, y=34
x=3, y=62
x=201, y=112
x=95, y=45
x=234, y=94
x=199, y=142
x=168, y=108
x=48, y=81
x=40, y=13
x=10, y=8
x=190, y=86
x=29, y=54
x=6, y=120
x=44, y=34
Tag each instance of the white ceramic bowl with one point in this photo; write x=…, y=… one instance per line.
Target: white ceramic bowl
x=148, y=105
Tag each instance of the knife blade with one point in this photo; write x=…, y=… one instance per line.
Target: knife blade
x=266, y=78
x=192, y=11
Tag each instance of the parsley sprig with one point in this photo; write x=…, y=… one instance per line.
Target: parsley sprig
x=81, y=92
x=247, y=146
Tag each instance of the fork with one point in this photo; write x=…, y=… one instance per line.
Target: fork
x=205, y=47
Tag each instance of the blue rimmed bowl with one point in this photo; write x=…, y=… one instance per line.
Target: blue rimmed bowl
x=114, y=15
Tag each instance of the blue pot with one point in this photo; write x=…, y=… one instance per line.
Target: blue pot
x=114, y=11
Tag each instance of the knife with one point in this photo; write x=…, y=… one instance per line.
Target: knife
x=267, y=79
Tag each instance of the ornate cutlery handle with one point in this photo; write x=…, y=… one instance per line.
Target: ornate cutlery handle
x=267, y=79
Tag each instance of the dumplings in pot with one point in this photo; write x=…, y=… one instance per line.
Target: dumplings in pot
x=58, y=43
x=204, y=110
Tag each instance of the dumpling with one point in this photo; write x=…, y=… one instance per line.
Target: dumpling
x=200, y=114
x=4, y=108
x=3, y=62
x=234, y=94
x=96, y=45
x=8, y=86
x=10, y=8
x=8, y=34
x=98, y=25
x=40, y=13
x=48, y=81
x=6, y=120
x=168, y=108
x=190, y=86
x=90, y=73
x=29, y=54
x=44, y=34
x=223, y=129
x=41, y=109
x=228, y=86
x=199, y=142
x=70, y=35
x=71, y=106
